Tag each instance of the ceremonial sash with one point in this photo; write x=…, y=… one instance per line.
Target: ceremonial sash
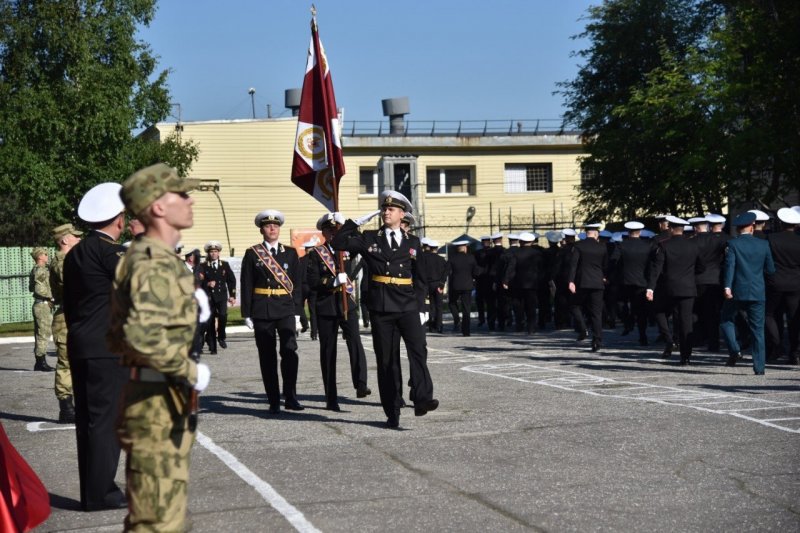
x=275, y=269
x=327, y=258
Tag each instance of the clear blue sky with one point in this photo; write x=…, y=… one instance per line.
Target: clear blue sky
x=455, y=60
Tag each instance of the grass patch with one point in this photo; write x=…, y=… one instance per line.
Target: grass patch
x=16, y=329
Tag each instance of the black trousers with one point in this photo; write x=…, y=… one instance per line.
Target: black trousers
x=219, y=316
x=545, y=303
x=97, y=387
x=778, y=303
x=503, y=308
x=267, y=333
x=525, y=303
x=682, y=321
x=435, y=319
x=328, y=337
x=709, y=305
x=311, y=298
x=636, y=299
x=387, y=330
x=460, y=305
x=485, y=302
x=592, y=301
x=561, y=309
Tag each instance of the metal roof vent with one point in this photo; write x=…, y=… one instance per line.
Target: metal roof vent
x=292, y=100
x=395, y=109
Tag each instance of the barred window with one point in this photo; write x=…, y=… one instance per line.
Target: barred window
x=587, y=175
x=368, y=181
x=451, y=180
x=528, y=177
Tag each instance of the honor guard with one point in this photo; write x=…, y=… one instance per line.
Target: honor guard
x=97, y=376
x=65, y=237
x=309, y=295
x=396, y=295
x=219, y=282
x=154, y=313
x=271, y=291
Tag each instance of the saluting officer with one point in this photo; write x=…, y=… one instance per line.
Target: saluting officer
x=153, y=317
x=97, y=377
x=219, y=282
x=462, y=271
x=783, y=287
x=672, y=271
x=271, y=293
x=588, y=266
x=396, y=294
x=328, y=280
x=633, y=257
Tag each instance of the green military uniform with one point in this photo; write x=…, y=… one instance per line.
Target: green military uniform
x=39, y=285
x=63, y=385
x=153, y=320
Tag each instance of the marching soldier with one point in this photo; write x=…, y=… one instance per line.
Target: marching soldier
x=97, y=377
x=560, y=279
x=65, y=236
x=39, y=285
x=672, y=270
x=711, y=249
x=153, y=317
x=396, y=297
x=761, y=222
x=492, y=260
x=522, y=280
x=504, y=296
x=747, y=259
x=483, y=286
x=587, y=277
x=328, y=281
x=783, y=287
x=271, y=292
x=219, y=282
x=633, y=257
x=462, y=270
x=546, y=288
x=436, y=274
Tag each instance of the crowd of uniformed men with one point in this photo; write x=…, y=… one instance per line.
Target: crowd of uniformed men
x=131, y=320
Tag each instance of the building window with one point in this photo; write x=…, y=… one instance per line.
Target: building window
x=451, y=180
x=587, y=175
x=529, y=177
x=368, y=181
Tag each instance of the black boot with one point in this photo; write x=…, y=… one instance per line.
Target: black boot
x=42, y=366
x=66, y=413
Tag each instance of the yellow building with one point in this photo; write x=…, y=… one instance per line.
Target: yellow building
x=507, y=179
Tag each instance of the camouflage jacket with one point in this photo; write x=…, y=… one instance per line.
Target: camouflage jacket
x=39, y=282
x=57, y=277
x=153, y=310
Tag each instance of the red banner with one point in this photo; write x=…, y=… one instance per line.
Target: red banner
x=24, y=502
x=318, y=165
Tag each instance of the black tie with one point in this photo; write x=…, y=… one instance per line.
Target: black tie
x=392, y=241
x=272, y=251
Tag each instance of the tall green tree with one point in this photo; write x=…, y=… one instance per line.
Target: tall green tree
x=74, y=84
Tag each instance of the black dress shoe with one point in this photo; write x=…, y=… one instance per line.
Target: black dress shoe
x=595, y=345
x=274, y=409
x=757, y=373
x=733, y=358
x=423, y=408
x=363, y=392
x=291, y=404
x=582, y=335
x=667, y=353
x=223, y=344
x=213, y=352
x=393, y=422
x=333, y=406
x=112, y=500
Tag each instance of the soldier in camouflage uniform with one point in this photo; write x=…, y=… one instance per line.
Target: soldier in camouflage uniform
x=39, y=285
x=65, y=236
x=154, y=314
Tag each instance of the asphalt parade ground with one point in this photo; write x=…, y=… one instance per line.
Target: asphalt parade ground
x=534, y=433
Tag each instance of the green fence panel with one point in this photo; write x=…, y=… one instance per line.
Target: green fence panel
x=15, y=298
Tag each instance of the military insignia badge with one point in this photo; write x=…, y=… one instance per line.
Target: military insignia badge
x=286, y=266
x=413, y=253
x=159, y=287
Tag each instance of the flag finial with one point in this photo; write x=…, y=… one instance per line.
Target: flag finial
x=313, y=10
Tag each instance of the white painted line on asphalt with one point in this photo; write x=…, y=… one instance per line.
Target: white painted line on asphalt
x=270, y=495
x=34, y=427
x=664, y=395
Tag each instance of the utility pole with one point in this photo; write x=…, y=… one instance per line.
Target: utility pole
x=252, y=93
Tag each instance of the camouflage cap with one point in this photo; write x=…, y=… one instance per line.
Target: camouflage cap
x=38, y=251
x=64, y=230
x=147, y=185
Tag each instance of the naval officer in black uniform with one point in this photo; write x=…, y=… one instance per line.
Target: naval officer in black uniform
x=783, y=287
x=633, y=257
x=588, y=265
x=397, y=289
x=219, y=282
x=462, y=271
x=271, y=280
x=522, y=276
x=328, y=281
x=97, y=377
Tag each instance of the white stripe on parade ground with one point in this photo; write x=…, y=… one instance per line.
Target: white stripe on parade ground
x=278, y=502
x=34, y=427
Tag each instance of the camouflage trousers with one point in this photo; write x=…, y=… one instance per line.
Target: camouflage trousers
x=63, y=386
x=154, y=432
x=42, y=324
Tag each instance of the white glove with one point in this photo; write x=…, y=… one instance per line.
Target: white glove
x=248, y=322
x=341, y=279
x=297, y=325
x=423, y=317
x=203, y=377
x=338, y=217
x=366, y=218
x=202, y=302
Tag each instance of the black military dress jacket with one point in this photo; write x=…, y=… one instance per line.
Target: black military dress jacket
x=633, y=259
x=89, y=270
x=223, y=276
x=320, y=279
x=255, y=275
x=676, y=261
x=382, y=261
x=525, y=268
x=462, y=271
x=785, y=248
x=711, y=251
x=588, y=264
x=435, y=267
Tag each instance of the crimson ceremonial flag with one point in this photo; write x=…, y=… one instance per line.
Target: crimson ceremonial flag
x=318, y=165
